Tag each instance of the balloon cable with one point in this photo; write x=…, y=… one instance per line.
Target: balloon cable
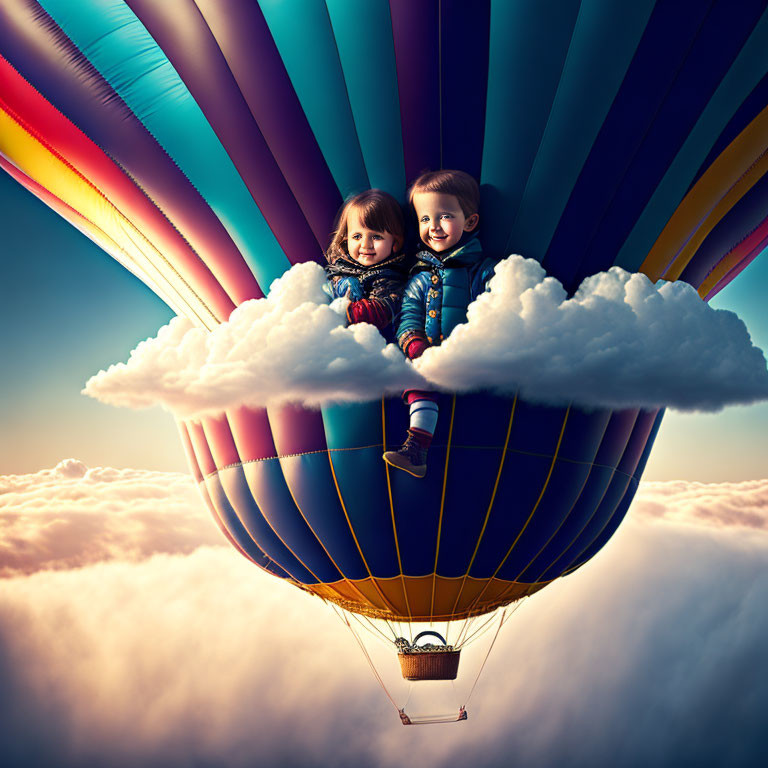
x=344, y=618
x=502, y=621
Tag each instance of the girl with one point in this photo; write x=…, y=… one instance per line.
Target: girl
x=365, y=260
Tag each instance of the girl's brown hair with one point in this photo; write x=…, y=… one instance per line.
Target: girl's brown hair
x=457, y=183
x=377, y=210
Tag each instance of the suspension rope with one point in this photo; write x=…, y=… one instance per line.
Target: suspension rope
x=490, y=648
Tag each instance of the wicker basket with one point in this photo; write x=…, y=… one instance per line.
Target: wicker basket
x=418, y=664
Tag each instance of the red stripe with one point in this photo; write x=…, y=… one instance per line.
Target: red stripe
x=747, y=250
x=63, y=138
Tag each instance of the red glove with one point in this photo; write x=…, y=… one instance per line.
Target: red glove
x=370, y=311
x=415, y=347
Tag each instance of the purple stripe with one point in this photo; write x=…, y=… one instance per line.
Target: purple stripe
x=297, y=430
x=415, y=27
x=252, y=56
x=616, y=436
x=49, y=60
x=186, y=39
x=637, y=441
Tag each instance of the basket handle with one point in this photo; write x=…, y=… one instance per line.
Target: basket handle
x=428, y=632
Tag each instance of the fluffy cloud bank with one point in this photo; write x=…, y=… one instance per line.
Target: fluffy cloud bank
x=72, y=516
x=618, y=342
x=652, y=654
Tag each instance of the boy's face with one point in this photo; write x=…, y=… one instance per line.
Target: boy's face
x=441, y=220
x=367, y=246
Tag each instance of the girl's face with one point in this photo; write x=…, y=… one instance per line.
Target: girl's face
x=367, y=246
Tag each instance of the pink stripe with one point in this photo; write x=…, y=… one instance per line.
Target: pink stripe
x=297, y=430
x=252, y=433
x=189, y=451
x=200, y=447
x=219, y=439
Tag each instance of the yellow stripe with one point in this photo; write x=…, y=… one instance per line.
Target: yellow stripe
x=744, y=184
x=392, y=505
x=65, y=182
x=724, y=174
x=442, y=496
x=493, y=498
x=352, y=531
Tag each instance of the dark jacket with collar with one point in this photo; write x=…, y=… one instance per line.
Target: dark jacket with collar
x=440, y=289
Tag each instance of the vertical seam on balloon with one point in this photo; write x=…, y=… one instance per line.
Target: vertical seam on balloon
x=217, y=478
x=258, y=128
x=346, y=90
x=352, y=531
x=442, y=507
x=490, y=503
x=34, y=135
x=543, y=133
x=562, y=522
x=344, y=577
x=241, y=466
x=57, y=31
x=440, y=71
x=614, y=473
x=587, y=249
x=392, y=509
x=630, y=479
x=202, y=487
x=533, y=510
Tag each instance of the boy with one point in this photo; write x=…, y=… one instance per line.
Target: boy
x=450, y=272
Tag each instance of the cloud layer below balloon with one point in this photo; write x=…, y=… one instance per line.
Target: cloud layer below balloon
x=620, y=341
x=198, y=658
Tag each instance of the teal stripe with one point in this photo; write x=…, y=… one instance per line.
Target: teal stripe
x=302, y=32
x=120, y=48
x=363, y=32
x=604, y=41
x=746, y=72
x=528, y=44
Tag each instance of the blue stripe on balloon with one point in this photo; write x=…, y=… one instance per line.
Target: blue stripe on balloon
x=303, y=35
x=120, y=48
x=268, y=488
x=562, y=493
x=464, y=34
x=604, y=40
x=592, y=494
x=525, y=38
x=236, y=529
x=304, y=475
x=657, y=107
x=744, y=75
x=363, y=33
x=235, y=485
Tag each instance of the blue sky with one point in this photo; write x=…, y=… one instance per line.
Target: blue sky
x=69, y=310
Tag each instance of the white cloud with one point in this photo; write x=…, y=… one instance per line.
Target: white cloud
x=71, y=516
x=652, y=654
x=618, y=342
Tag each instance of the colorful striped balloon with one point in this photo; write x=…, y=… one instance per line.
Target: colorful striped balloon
x=207, y=144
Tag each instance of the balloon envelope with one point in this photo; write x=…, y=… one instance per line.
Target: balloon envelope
x=208, y=144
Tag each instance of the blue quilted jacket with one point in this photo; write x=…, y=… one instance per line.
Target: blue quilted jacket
x=440, y=289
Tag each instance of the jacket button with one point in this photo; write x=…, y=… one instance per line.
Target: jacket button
x=432, y=313
x=435, y=279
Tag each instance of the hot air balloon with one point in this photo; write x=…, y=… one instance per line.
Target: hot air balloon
x=207, y=145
